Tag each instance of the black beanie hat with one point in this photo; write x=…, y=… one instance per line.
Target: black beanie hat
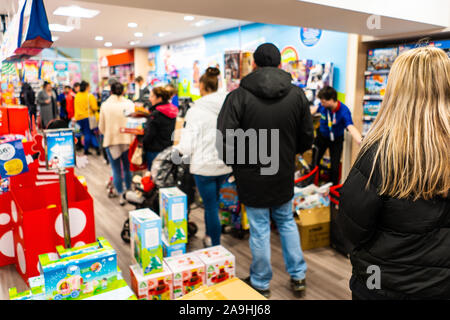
x=267, y=55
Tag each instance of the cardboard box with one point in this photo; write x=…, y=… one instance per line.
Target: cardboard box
x=158, y=286
x=18, y=120
x=4, y=124
x=219, y=264
x=81, y=275
x=145, y=238
x=314, y=227
x=172, y=250
x=188, y=273
x=231, y=289
x=173, y=210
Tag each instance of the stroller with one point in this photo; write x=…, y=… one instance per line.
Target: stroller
x=164, y=174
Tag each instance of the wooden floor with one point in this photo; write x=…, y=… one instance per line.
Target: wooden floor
x=327, y=276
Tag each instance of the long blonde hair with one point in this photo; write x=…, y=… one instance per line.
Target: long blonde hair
x=412, y=130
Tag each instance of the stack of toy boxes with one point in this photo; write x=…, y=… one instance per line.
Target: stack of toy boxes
x=81, y=272
x=36, y=292
x=173, y=210
x=219, y=264
x=188, y=273
x=173, y=250
x=146, y=248
x=157, y=286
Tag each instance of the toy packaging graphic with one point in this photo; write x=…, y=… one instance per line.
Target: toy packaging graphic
x=371, y=108
x=60, y=151
x=228, y=202
x=219, y=264
x=146, y=247
x=376, y=84
x=158, y=286
x=79, y=275
x=188, y=273
x=381, y=59
x=300, y=71
x=12, y=159
x=172, y=250
x=173, y=210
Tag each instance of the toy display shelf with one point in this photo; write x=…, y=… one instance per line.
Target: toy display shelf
x=369, y=118
x=371, y=73
x=367, y=97
x=138, y=132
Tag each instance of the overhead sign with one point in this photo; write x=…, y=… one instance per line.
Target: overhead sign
x=310, y=37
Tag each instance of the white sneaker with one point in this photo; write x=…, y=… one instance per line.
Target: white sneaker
x=207, y=242
x=122, y=200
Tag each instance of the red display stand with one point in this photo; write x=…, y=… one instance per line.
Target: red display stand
x=7, y=255
x=4, y=125
x=18, y=120
x=38, y=226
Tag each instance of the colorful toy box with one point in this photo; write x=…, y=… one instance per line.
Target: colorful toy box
x=172, y=250
x=158, y=286
x=146, y=248
x=381, y=59
x=376, y=84
x=219, y=264
x=173, y=209
x=188, y=273
x=79, y=275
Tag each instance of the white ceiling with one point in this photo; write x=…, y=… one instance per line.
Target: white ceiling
x=399, y=17
x=112, y=24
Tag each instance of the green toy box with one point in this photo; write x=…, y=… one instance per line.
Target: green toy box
x=158, y=286
x=145, y=238
x=173, y=209
x=172, y=250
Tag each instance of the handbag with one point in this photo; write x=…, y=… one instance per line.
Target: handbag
x=135, y=145
x=137, y=157
x=92, y=119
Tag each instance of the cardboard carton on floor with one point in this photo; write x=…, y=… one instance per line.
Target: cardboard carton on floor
x=314, y=227
x=219, y=264
x=231, y=289
x=158, y=286
x=188, y=273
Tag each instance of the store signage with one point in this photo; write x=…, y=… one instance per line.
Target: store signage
x=310, y=37
x=289, y=54
x=12, y=159
x=60, y=149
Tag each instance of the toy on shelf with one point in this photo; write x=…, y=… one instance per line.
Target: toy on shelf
x=173, y=210
x=146, y=247
x=219, y=264
x=158, y=286
x=381, y=59
x=376, y=85
x=371, y=108
x=188, y=273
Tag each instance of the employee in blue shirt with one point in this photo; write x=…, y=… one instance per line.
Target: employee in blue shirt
x=335, y=117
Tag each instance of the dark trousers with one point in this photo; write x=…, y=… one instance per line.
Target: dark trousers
x=335, y=147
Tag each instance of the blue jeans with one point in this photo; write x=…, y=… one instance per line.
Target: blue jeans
x=118, y=165
x=209, y=188
x=150, y=156
x=89, y=136
x=261, y=269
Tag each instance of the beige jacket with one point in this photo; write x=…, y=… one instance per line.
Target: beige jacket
x=112, y=119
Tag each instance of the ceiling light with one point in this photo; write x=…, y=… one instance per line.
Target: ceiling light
x=132, y=43
x=99, y=38
x=108, y=44
x=138, y=34
x=54, y=27
x=75, y=11
x=132, y=25
x=118, y=51
x=55, y=38
x=163, y=34
x=203, y=23
x=189, y=18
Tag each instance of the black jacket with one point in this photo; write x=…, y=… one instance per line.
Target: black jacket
x=409, y=241
x=159, y=127
x=28, y=98
x=266, y=99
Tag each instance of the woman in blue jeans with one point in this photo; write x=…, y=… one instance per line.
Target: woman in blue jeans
x=198, y=142
x=117, y=144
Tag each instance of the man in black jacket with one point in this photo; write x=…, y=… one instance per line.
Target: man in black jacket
x=263, y=125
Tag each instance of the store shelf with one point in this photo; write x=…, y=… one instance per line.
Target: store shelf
x=138, y=132
x=373, y=97
x=370, y=73
x=369, y=118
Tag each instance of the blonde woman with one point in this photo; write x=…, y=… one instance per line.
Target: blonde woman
x=395, y=208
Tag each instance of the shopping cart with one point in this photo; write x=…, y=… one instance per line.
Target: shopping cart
x=337, y=239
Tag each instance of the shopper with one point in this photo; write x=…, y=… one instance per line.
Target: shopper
x=28, y=99
x=335, y=119
x=76, y=87
x=395, y=206
x=46, y=100
x=173, y=95
x=160, y=124
x=67, y=104
x=267, y=102
x=198, y=141
x=85, y=106
x=116, y=144
x=141, y=90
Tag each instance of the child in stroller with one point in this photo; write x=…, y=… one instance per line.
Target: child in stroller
x=164, y=174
